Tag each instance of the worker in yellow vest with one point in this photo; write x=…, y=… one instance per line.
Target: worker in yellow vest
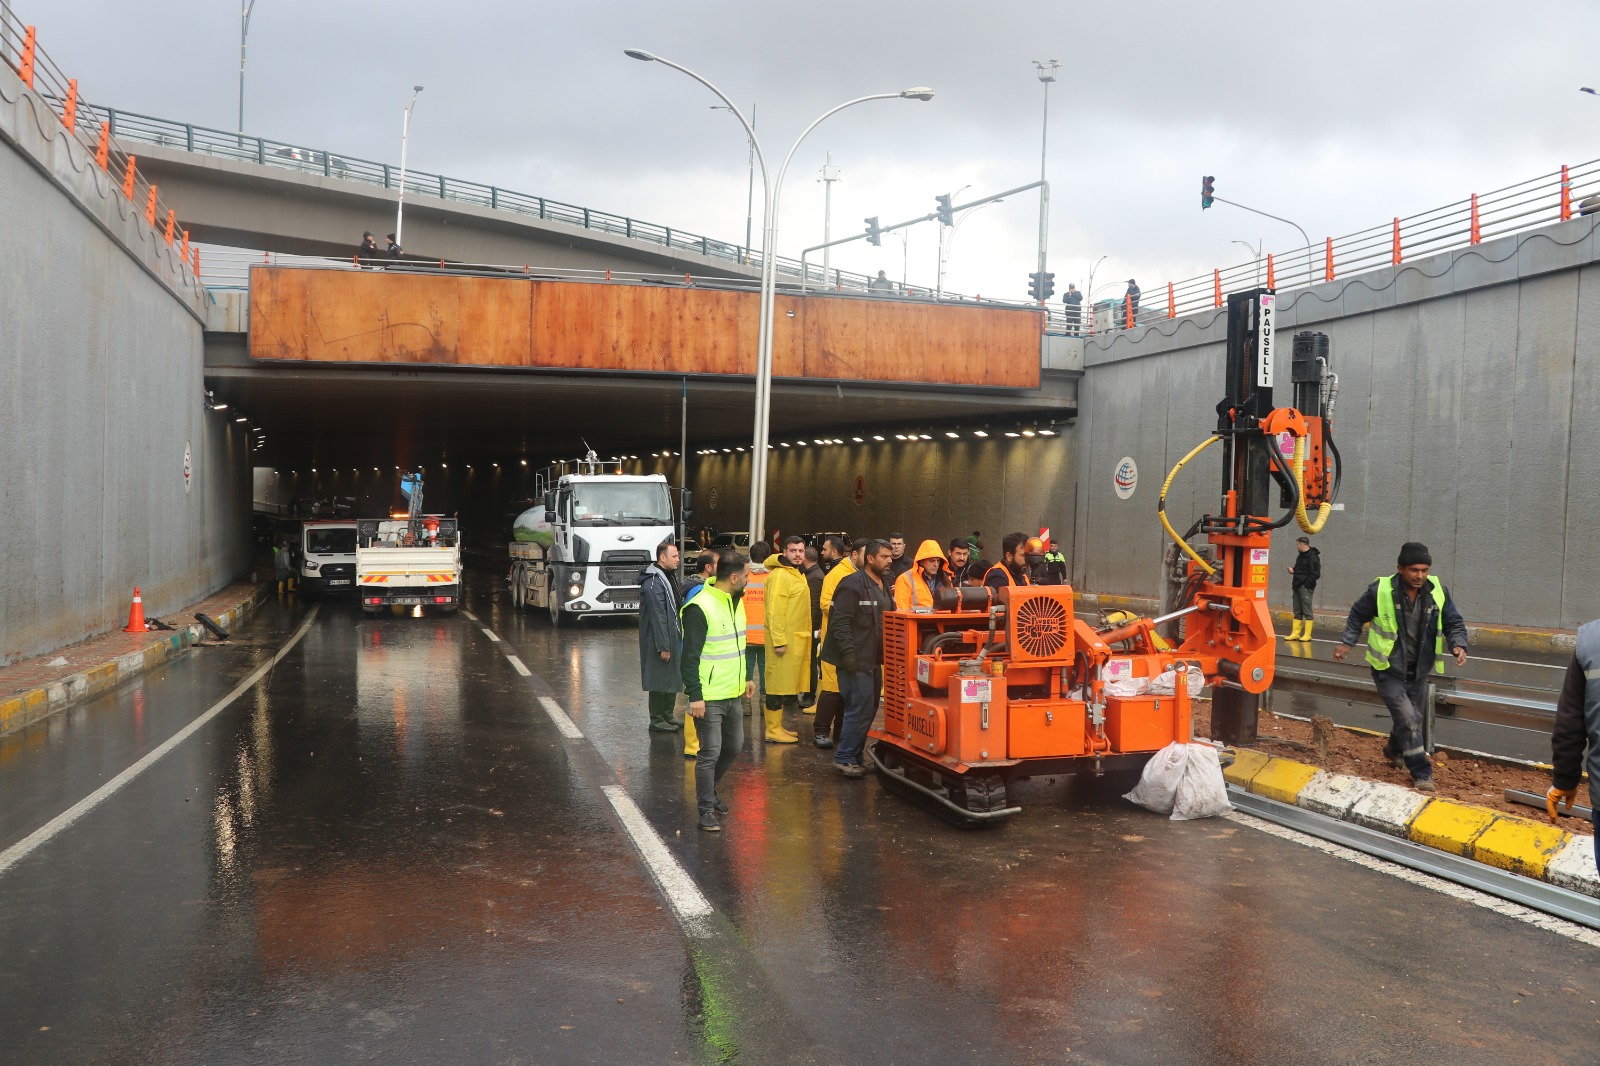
x=714, y=678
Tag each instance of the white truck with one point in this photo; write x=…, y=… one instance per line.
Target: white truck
x=328, y=557
x=413, y=562
x=581, y=551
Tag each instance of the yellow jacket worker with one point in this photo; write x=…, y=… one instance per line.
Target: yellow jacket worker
x=788, y=614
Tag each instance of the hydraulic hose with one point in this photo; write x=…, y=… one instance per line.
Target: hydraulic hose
x=1323, y=509
x=1161, y=507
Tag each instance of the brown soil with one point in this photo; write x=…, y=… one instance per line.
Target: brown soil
x=1480, y=782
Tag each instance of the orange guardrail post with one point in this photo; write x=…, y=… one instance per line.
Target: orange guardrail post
x=1397, y=240
x=1566, y=195
x=102, y=152
x=1216, y=288
x=128, y=176
x=196, y=251
x=1272, y=281
x=29, y=42
x=69, y=111
x=1172, y=305
x=172, y=222
x=183, y=249
x=1473, y=236
x=150, y=207
x=1327, y=271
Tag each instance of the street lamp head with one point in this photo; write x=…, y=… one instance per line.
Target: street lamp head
x=920, y=92
x=416, y=88
x=1588, y=90
x=639, y=54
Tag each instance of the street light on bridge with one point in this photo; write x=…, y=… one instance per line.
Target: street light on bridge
x=771, y=194
x=405, y=135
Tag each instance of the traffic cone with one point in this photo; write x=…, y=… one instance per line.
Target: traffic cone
x=136, y=613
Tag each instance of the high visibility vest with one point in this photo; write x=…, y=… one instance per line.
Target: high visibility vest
x=722, y=656
x=755, y=607
x=1006, y=570
x=1384, y=629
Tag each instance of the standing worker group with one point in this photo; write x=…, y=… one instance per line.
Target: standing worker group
x=1410, y=620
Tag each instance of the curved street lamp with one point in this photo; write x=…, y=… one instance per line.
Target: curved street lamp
x=771, y=195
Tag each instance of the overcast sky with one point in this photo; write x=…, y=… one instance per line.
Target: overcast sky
x=1338, y=116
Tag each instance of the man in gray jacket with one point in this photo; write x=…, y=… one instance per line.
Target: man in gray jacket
x=660, y=637
x=1578, y=727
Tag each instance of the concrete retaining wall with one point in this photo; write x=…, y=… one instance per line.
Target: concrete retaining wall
x=1468, y=382
x=101, y=394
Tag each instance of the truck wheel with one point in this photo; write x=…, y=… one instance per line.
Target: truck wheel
x=553, y=601
x=515, y=581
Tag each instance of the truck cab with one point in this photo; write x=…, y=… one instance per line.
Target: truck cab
x=327, y=560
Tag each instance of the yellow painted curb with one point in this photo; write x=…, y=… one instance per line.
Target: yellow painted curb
x=1447, y=826
x=1518, y=845
x=10, y=712
x=1282, y=779
x=1246, y=765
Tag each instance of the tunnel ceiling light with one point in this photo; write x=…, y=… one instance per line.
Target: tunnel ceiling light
x=897, y=436
x=1010, y=433
x=980, y=433
x=858, y=440
x=952, y=434
x=877, y=436
x=524, y=463
x=925, y=436
x=241, y=418
x=783, y=444
x=1029, y=433
x=727, y=451
x=1047, y=433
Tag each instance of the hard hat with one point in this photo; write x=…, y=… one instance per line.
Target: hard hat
x=1035, y=546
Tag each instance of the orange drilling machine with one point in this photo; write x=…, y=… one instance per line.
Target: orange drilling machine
x=989, y=687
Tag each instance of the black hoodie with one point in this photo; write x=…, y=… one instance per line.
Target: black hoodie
x=1307, y=568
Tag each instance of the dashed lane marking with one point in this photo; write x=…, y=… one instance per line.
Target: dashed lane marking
x=688, y=903
x=1544, y=921
x=559, y=717
x=468, y=615
x=63, y=821
x=518, y=666
x=489, y=633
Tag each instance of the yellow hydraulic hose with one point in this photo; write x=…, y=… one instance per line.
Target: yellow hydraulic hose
x=1323, y=509
x=1161, y=507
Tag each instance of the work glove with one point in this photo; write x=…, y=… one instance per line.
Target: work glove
x=1556, y=797
x=850, y=666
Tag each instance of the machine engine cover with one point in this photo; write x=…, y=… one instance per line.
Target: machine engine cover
x=1039, y=624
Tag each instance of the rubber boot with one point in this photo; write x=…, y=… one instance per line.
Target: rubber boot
x=691, y=736
x=776, y=734
x=1294, y=630
x=280, y=588
x=1305, y=630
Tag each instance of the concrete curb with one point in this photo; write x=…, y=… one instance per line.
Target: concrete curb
x=1486, y=637
x=1532, y=849
x=28, y=707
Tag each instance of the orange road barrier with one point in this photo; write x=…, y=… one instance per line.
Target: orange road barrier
x=172, y=221
x=1566, y=195
x=136, y=613
x=183, y=249
x=1397, y=240
x=69, y=112
x=150, y=207
x=1172, y=306
x=1474, y=236
x=1272, y=280
x=102, y=152
x=29, y=44
x=1327, y=271
x=196, y=251
x=1216, y=287
x=128, y=176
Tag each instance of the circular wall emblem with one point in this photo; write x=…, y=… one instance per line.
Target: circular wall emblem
x=1126, y=478
x=713, y=499
x=188, y=467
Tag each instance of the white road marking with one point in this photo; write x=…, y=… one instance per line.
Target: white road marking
x=517, y=665
x=489, y=633
x=559, y=717
x=1544, y=921
x=469, y=616
x=41, y=836
x=684, y=897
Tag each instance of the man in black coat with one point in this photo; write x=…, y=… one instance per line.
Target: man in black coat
x=660, y=637
x=855, y=648
x=1307, y=571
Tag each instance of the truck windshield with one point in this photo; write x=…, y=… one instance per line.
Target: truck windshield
x=331, y=541
x=624, y=503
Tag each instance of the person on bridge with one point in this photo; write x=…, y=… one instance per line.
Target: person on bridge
x=899, y=561
x=1131, y=301
x=394, y=251
x=367, y=251
x=1072, y=304
x=788, y=613
x=830, y=704
x=1012, y=569
x=855, y=646
x=1307, y=571
x=1410, y=620
x=714, y=677
x=660, y=637
x=1578, y=726
x=881, y=283
x=917, y=587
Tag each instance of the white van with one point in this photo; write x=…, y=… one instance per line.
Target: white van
x=328, y=556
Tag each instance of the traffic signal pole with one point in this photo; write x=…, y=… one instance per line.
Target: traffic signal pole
x=1310, y=265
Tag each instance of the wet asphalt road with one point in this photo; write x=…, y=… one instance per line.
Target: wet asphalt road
x=385, y=851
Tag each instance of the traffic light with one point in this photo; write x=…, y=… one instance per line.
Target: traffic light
x=874, y=232
x=1041, y=285
x=1208, y=190
x=946, y=213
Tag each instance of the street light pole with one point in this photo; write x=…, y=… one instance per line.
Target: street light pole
x=830, y=174
x=772, y=190
x=1088, y=292
x=750, y=190
x=244, y=32
x=1255, y=254
x=405, y=136
x=938, y=292
x=1047, y=74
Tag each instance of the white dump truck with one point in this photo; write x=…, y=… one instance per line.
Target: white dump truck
x=581, y=548
x=412, y=562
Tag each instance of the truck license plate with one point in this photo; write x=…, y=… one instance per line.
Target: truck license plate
x=406, y=600
x=338, y=581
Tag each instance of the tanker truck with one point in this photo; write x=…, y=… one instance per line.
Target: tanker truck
x=581, y=548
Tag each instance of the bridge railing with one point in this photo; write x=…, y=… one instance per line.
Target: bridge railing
x=264, y=151
x=20, y=50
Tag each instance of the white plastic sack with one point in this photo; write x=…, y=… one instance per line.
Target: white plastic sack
x=1127, y=686
x=1158, y=785
x=1166, y=682
x=1202, y=792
